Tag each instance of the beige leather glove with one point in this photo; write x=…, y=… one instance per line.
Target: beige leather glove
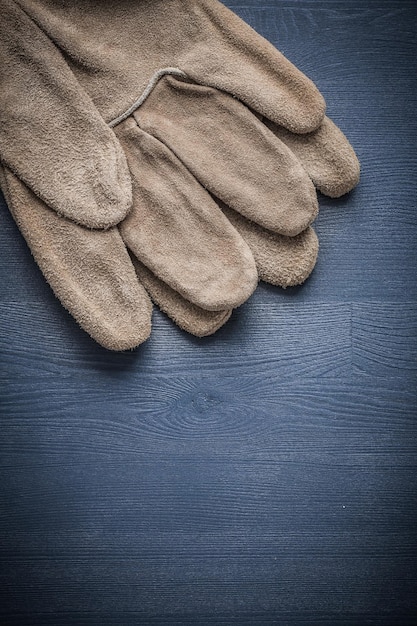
x=166, y=77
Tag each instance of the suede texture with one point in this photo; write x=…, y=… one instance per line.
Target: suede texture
x=177, y=230
x=326, y=156
x=92, y=274
x=115, y=48
x=282, y=261
x=51, y=134
x=89, y=270
x=231, y=152
x=193, y=319
x=219, y=130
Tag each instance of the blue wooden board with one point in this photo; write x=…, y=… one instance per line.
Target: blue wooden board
x=267, y=474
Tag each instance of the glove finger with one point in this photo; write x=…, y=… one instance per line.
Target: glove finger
x=282, y=261
x=229, y=55
x=326, y=155
x=89, y=271
x=51, y=135
x=188, y=316
x=232, y=153
x=177, y=230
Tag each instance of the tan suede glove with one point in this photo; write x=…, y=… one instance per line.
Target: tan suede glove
x=182, y=134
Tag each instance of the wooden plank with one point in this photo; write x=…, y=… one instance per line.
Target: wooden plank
x=285, y=339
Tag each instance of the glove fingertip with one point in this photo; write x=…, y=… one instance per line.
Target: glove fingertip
x=100, y=196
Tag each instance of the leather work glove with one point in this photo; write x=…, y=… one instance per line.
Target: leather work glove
x=170, y=78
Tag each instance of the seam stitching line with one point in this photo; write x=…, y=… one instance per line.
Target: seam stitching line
x=171, y=71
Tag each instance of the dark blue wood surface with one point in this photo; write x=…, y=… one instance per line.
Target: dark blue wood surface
x=266, y=475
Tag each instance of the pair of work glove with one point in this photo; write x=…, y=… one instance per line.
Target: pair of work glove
x=160, y=150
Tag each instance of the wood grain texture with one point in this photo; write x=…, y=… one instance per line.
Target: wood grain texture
x=265, y=475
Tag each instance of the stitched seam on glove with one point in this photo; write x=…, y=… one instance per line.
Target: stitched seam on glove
x=170, y=71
